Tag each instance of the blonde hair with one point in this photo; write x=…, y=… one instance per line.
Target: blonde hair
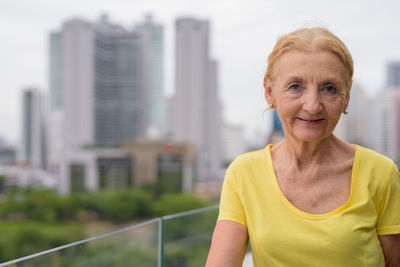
x=311, y=39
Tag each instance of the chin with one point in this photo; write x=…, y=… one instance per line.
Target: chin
x=311, y=137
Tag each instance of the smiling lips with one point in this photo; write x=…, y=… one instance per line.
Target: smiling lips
x=310, y=121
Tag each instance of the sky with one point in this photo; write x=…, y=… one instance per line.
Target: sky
x=242, y=35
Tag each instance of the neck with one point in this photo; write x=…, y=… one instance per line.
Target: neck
x=304, y=154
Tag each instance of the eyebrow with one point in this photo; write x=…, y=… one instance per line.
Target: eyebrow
x=294, y=78
x=331, y=80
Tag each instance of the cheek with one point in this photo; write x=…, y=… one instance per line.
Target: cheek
x=285, y=99
x=288, y=103
x=338, y=99
x=335, y=104
x=287, y=110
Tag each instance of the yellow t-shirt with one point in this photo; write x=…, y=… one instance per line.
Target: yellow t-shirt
x=282, y=235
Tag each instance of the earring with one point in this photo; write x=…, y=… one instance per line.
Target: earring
x=271, y=107
x=345, y=112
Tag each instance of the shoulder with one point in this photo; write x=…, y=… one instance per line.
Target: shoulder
x=376, y=170
x=248, y=160
x=371, y=159
x=247, y=166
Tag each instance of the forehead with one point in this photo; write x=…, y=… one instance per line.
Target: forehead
x=310, y=64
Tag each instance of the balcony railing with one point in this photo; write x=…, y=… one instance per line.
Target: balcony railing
x=181, y=239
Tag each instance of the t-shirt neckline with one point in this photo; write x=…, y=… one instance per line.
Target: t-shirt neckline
x=300, y=212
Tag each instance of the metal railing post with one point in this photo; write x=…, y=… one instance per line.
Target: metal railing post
x=160, y=262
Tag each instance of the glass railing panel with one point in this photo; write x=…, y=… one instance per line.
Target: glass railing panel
x=187, y=237
x=131, y=246
x=176, y=240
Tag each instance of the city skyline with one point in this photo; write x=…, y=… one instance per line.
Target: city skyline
x=242, y=34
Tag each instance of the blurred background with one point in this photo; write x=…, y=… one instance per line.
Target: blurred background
x=114, y=112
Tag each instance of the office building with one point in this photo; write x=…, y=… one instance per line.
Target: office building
x=108, y=81
x=393, y=74
x=171, y=166
x=233, y=143
x=384, y=127
x=106, y=88
x=352, y=126
x=7, y=155
x=152, y=59
x=355, y=118
x=95, y=169
x=33, y=144
x=197, y=112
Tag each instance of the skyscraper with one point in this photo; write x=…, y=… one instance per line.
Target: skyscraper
x=355, y=119
x=33, y=145
x=55, y=71
x=233, y=142
x=119, y=108
x=393, y=74
x=77, y=83
x=384, y=124
x=108, y=81
x=152, y=58
x=103, y=78
x=197, y=112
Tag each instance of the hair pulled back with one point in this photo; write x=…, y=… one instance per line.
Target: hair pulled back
x=311, y=39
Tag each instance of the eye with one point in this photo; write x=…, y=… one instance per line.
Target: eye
x=329, y=88
x=295, y=87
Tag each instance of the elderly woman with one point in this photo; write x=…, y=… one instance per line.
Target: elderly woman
x=312, y=199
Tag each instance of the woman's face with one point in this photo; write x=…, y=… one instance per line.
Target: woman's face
x=309, y=91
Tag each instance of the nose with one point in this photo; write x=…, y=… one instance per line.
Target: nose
x=312, y=102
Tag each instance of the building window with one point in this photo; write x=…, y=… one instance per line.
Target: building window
x=77, y=178
x=170, y=174
x=114, y=173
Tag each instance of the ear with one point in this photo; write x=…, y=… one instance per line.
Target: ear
x=347, y=98
x=268, y=92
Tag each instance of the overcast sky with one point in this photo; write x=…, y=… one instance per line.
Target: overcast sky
x=243, y=33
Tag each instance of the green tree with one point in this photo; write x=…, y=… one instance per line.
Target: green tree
x=173, y=203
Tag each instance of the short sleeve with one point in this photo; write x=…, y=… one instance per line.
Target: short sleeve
x=231, y=207
x=389, y=216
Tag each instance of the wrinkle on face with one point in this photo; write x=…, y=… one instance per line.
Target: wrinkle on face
x=302, y=87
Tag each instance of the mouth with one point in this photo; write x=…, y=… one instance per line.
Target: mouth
x=311, y=121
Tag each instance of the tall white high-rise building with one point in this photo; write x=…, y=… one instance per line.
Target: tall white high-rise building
x=152, y=59
x=71, y=83
x=384, y=116
x=233, y=142
x=103, y=78
x=33, y=144
x=384, y=124
x=197, y=112
x=55, y=115
x=352, y=126
x=107, y=81
x=77, y=74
